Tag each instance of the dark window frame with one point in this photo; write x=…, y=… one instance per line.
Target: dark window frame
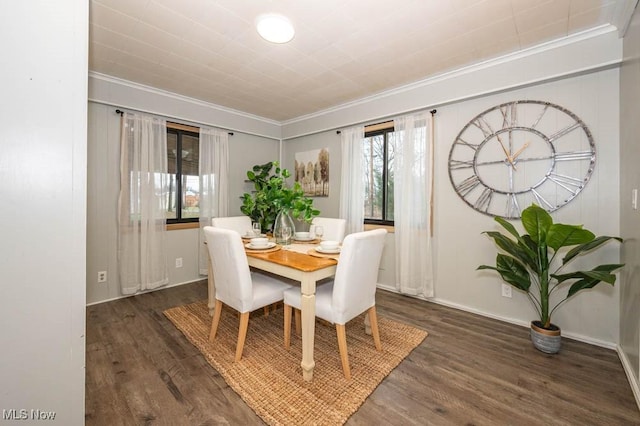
x=385, y=178
x=179, y=133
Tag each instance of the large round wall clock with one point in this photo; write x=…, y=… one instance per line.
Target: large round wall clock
x=519, y=153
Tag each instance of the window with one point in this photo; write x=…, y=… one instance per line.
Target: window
x=183, y=148
x=378, y=164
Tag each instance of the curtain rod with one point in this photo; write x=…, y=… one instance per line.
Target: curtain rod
x=433, y=112
x=118, y=111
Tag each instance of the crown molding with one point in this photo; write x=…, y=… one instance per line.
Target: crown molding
x=622, y=15
x=194, y=101
x=557, y=59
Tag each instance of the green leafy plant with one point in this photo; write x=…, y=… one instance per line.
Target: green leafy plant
x=527, y=264
x=271, y=194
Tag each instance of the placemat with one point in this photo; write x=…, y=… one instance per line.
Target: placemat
x=315, y=253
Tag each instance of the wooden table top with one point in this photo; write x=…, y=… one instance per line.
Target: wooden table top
x=300, y=261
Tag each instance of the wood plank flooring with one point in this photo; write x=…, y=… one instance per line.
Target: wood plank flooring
x=471, y=370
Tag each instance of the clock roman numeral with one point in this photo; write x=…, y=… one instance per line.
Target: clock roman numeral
x=457, y=164
x=484, y=200
x=513, y=208
x=535, y=123
x=564, y=131
x=483, y=125
x=468, y=185
x=509, y=115
x=467, y=144
x=573, y=155
x=571, y=184
x=540, y=199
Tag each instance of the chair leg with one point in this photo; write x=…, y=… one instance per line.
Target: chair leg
x=266, y=311
x=373, y=319
x=287, y=325
x=242, y=334
x=342, y=345
x=298, y=321
x=216, y=320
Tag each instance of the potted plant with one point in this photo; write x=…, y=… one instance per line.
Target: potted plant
x=271, y=195
x=530, y=263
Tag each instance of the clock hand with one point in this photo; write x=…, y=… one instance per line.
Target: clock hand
x=506, y=152
x=518, y=152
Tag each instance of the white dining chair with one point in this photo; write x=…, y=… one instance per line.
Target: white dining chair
x=240, y=224
x=352, y=292
x=334, y=228
x=237, y=286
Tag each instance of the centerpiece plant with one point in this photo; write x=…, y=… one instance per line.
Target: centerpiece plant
x=531, y=263
x=272, y=194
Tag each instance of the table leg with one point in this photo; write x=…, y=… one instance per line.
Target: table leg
x=211, y=288
x=308, y=304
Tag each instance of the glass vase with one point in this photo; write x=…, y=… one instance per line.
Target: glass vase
x=283, y=221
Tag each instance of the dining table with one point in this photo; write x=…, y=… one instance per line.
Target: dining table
x=295, y=262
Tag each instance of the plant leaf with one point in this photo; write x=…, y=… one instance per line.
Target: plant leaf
x=536, y=222
x=508, y=226
x=518, y=250
x=588, y=246
x=590, y=279
x=561, y=235
x=511, y=271
x=599, y=273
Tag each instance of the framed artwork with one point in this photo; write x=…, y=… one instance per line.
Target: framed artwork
x=312, y=172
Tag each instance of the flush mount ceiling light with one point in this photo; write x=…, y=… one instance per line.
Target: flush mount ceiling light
x=275, y=28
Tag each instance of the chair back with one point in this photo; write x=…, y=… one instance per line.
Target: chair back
x=334, y=228
x=230, y=268
x=240, y=224
x=354, y=286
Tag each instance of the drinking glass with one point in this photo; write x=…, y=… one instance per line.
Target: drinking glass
x=286, y=233
x=256, y=229
x=318, y=230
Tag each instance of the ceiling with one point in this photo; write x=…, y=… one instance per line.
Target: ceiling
x=343, y=50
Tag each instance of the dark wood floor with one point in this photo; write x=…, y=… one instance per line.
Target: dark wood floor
x=471, y=370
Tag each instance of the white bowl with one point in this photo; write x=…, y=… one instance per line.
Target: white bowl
x=302, y=235
x=259, y=242
x=329, y=245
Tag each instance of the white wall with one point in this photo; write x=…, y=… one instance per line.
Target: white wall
x=459, y=245
x=42, y=182
x=630, y=218
x=103, y=183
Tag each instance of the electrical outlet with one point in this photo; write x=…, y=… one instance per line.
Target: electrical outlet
x=102, y=276
x=178, y=262
x=506, y=290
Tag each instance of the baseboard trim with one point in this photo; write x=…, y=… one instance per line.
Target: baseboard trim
x=633, y=380
x=143, y=292
x=526, y=324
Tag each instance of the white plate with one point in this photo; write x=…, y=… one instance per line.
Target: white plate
x=304, y=239
x=331, y=251
x=253, y=236
x=269, y=245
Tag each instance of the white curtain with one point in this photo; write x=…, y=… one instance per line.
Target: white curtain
x=412, y=191
x=214, y=184
x=142, y=251
x=352, y=185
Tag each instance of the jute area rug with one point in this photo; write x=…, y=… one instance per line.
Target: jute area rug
x=269, y=377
